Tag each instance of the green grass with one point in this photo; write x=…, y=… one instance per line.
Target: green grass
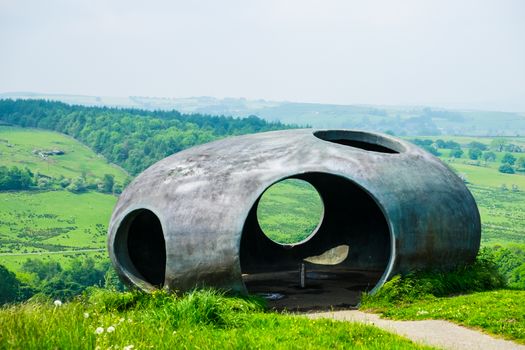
x=42, y=222
x=17, y=146
x=499, y=312
x=486, y=176
x=434, y=295
x=198, y=320
x=289, y=211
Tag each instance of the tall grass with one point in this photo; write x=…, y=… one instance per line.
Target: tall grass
x=482, y=275
x=204, y=319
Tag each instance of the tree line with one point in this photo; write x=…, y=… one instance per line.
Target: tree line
x=131, y=138
x=480, y=151
x=50, y=278
x=17, y=179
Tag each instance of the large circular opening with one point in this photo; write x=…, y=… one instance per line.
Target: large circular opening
x=348, y=254
x=290, y=211
x=140, y=247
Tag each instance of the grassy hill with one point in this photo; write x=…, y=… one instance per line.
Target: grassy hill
x=53, y=225
x=19, y=147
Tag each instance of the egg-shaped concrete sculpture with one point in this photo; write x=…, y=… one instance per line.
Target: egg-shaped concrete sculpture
x=191, y=219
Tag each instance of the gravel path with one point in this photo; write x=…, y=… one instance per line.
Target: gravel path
x=441, y=334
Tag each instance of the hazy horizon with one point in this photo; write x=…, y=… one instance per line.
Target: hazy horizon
x=467, y=55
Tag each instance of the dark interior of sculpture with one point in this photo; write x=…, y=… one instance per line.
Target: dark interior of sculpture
x=348, y=253
x=140, y=247
x=359, y=139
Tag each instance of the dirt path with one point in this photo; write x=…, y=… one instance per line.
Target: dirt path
x=441, y=334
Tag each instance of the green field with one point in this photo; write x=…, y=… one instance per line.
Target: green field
x=289, y=211
x=500, y=197
x=33, y=224
x=18, y=146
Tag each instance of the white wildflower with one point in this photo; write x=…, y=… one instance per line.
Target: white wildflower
x=128, y=347
x=86, y=315
x=110, y=329
x=57, y=303
x=99, y=330
x=122, y=319
x=422, y=312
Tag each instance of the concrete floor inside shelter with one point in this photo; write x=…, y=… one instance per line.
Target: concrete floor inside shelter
x=325, y=288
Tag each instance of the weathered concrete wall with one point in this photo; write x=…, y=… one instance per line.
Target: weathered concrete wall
x=204, y=198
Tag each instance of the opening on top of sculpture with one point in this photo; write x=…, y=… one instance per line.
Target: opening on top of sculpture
x=361, y=140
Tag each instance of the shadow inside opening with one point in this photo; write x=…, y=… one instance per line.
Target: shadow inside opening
x=351, y=218
x=141, y=248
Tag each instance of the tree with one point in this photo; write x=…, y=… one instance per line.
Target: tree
x=15, y=178
x=508, y=159
x=506, y=169
x=9, y=286
x=456, y=153
x=78, y=185
x=498, y=144
x=451, y=144
x=108, y=183
x=520, y=163
x=489, y=156
x=474, y=153
x=478, y=145
x=41, y=269
x=432, y=150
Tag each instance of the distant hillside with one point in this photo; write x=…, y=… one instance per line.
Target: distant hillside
x=401, y=120
x=131, y=138
x=34, y=149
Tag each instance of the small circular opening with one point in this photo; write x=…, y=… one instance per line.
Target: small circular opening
x=140, y=247
x=362, y=140
x=290, y=211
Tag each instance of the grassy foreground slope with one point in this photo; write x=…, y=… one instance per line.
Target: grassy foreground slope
x=202, y=319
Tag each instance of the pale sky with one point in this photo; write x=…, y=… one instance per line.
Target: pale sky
x=449, y=53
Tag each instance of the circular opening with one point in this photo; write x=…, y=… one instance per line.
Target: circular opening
x=350, y=252
x=362, y=140
x=290, y=211
x=140, y=247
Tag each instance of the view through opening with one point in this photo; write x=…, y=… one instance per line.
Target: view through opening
x=290, y=211
x=346, y=255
